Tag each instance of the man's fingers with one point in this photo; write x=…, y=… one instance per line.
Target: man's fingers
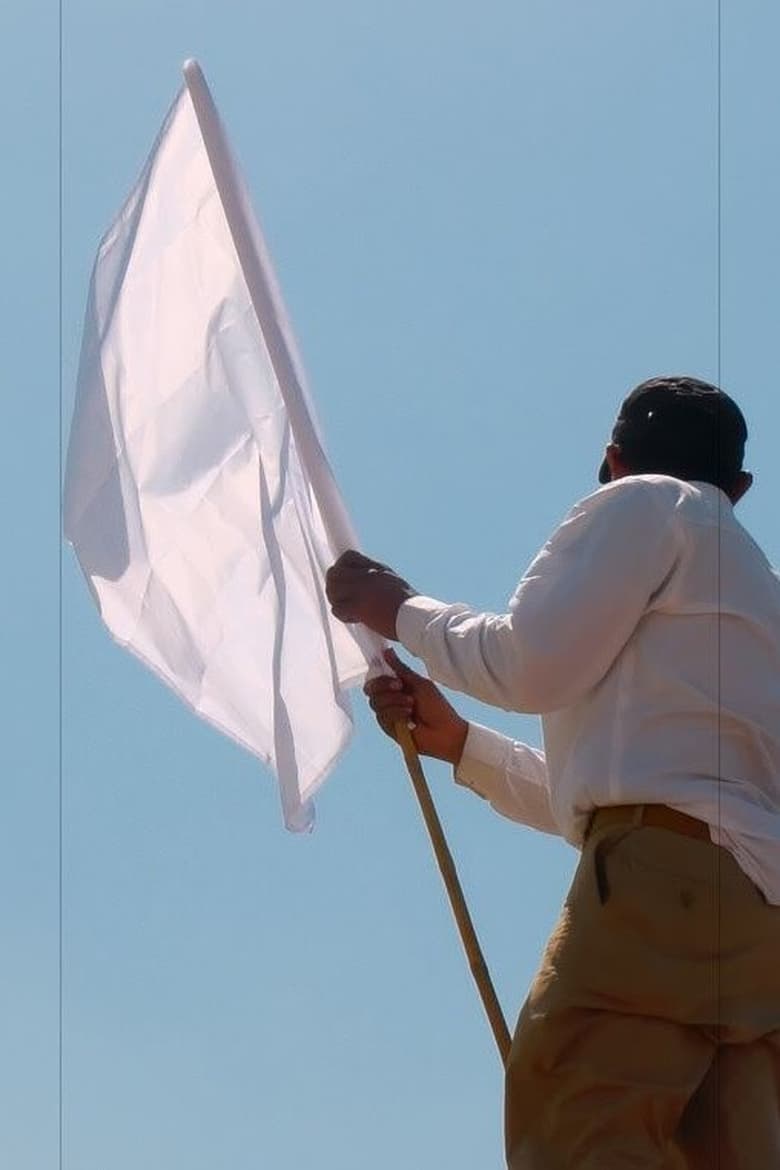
x=341, y=575
x=341, y=589
x=389, y=721
x=338, y=585
x=389, y=701
x=386, y=704
x=385, y=682
x=352, y=566
x=404, y=678
x=352, y=559
x=343, y=612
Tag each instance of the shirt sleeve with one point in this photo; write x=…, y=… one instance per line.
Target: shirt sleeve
x=572, y=613
x=509, y=774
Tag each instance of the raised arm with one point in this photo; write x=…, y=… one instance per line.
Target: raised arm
x=572, y=613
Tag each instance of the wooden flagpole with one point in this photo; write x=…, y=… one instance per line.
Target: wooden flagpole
x=452, y=884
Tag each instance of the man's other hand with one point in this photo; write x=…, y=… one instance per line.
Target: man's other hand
x=408, y=697
x=362, y=590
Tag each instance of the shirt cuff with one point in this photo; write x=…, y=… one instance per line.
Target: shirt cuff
x=412, y=618
x=485, y=752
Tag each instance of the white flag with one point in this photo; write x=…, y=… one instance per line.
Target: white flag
x=198, y=499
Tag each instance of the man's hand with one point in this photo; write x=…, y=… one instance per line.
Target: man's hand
x=438, y=728
x=362, y=590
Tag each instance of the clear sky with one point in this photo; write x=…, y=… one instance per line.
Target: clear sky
x=489, y=222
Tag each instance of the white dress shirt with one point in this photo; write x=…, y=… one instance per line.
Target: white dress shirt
x=647, y=635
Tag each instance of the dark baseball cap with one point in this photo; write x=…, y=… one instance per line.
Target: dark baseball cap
x=683, y=427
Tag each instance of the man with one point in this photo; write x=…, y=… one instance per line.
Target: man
x=647, y=634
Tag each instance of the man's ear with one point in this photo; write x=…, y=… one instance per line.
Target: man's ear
x=614, y=460
x=743, y=484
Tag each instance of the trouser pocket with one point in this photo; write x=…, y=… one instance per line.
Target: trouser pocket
x=601, y=851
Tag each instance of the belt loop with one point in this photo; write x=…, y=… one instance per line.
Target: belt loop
x=637, y=815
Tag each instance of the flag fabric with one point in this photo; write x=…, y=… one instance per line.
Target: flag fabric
x=198, y=499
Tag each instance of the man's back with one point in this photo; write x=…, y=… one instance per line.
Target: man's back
x=688, y=714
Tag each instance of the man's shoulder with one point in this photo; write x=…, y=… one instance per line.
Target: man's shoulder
x=621, y=513
x=648, y=494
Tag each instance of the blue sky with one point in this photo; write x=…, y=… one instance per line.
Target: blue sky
x=489, y=223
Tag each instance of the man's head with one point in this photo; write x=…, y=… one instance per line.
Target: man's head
x=682, y=427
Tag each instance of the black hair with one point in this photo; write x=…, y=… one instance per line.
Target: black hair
x=683, y=427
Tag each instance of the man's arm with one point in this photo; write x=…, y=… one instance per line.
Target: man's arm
x=572, y=613
x=509, y=774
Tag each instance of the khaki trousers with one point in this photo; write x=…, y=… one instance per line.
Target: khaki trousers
x=650, y=1039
